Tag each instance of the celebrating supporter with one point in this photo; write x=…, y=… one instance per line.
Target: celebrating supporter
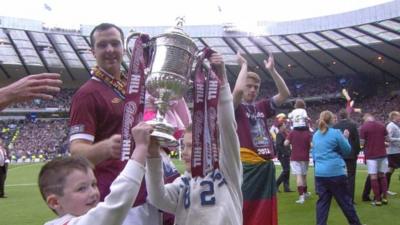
x=256, y=145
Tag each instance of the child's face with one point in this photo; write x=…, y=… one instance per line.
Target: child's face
x=80, y=193
x=187, y=151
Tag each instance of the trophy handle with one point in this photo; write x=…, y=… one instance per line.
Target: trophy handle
x=200, y=56
x=128, y=39
x=148, y=48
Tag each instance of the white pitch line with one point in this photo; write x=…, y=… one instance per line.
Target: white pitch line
x=22, y=166
x=18, y=185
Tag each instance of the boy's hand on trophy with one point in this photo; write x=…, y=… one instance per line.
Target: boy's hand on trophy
x=141, y=134
x=218, y=66
x=154, y=148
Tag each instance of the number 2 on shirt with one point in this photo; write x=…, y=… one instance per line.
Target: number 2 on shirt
x=207, y=196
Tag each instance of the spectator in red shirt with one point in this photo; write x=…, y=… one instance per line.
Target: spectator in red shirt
x=300, y=157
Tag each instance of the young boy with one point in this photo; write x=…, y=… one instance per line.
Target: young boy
x=298, y=117
x=69, y=187
x=216, y=198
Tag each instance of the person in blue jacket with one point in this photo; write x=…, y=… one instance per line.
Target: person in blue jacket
x=328, y=146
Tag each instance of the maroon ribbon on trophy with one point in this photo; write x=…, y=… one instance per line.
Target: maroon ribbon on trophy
x=205, y=132
x=134, y=95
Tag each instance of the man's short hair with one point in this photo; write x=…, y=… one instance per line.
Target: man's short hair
x=103, y=27
x=343, y=114
x=53, y=174
x=254, y=76
x=368, y=117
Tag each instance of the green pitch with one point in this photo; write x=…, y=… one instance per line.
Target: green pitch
x=24, y=205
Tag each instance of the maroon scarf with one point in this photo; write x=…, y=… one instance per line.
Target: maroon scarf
x=205, y=132
x=135, y=94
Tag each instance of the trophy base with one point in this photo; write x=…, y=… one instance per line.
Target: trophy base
x=163, y=132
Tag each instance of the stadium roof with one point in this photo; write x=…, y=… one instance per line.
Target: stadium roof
x=362, y=42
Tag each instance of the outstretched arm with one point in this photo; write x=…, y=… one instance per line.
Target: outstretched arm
x=283, y=90
x=240, y=81
x=42, y=86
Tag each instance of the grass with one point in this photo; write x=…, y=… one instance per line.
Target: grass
x=24, y=205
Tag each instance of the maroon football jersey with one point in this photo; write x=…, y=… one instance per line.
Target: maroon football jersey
x=374, y=134
x=252, y=127
x=96, y=114
x=301, y=144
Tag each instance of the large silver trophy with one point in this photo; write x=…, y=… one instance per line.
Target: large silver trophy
x=168, y=76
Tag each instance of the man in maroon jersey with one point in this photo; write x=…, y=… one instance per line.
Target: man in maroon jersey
x=372, y=136
x=256, y=145
x=96, y=119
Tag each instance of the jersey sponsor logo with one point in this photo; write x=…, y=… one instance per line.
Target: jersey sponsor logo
x=77, y=129
x=255, y=116
x=116, y=100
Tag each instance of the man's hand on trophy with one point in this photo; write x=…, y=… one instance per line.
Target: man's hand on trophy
x=218, y=66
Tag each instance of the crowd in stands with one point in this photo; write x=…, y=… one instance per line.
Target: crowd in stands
x=310, y=87
x=27, y=138
x=61, y=100
x=31, y=139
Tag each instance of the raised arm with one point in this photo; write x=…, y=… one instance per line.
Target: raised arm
x=230, y=163
x=283, y=90
x=164, y=197
x=240, y=81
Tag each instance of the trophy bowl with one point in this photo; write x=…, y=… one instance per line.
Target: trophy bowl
x=168, y=79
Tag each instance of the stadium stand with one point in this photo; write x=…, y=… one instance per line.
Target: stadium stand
x=317, y=57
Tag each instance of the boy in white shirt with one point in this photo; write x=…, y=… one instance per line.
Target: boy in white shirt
x=215, y=198
x=298, y=117
x=69, y=187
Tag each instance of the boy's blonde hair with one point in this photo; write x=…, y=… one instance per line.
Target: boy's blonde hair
x=254, y=76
